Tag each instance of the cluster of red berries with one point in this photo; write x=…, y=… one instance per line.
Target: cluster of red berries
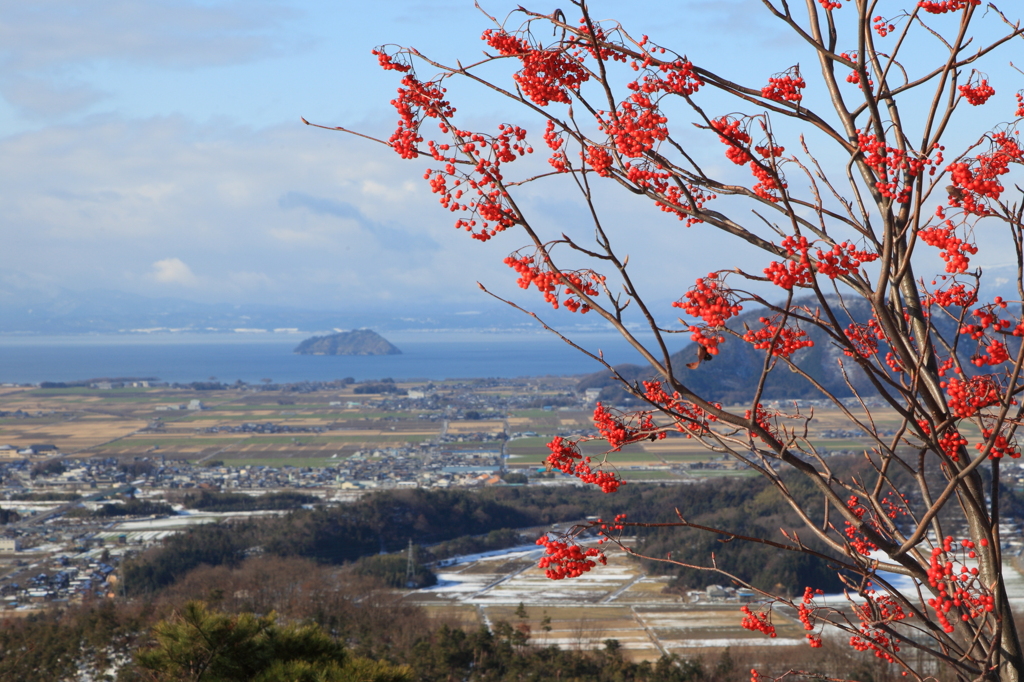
x=758, y=622
x=1001, y=445
x=764, y=418
x=547, y=75
x=995, y=353
x=731, y=132
x=950, y=443
x=895, y=505
x=990, y=351
x=415, y=100
x=830, y=5
x=738, y=140
x=690, y=419
x=647, y=175
x=685, y=205
x=959, y=589
x=882, y=27
x=955, y=295
x=987, y=317
x=854, y=76
x=805, y=612
x=652, y=177
x=618, y=433
x=635, y=127
x=567, y=458
x=894, y=166
x=596, y=44
x=577, y=283
x=782, y=341
x=713, y=302
x=603, y=528
x=793, y=272
x=555, y=140
x=947, y=365
x=943, y=6
x=598, y=158
x=966, y=397
x=894, y=362
x=768, y=182
x=680, y=78
x=487, y=200
x=864, y=338
x=565, y=560
x=842, y=260
x=1020, y=104
x=955, y=251
x=388, y=63
x=860, y=544
x=977, y=94
x=976, y=178
x=878, y=610
x=785, y=86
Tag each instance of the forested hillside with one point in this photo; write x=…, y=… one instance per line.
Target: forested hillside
x=323, y=567
x=444, y=523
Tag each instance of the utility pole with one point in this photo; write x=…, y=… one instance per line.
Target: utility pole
x=410, y=565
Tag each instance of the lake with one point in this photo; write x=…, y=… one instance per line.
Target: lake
x=252, y=357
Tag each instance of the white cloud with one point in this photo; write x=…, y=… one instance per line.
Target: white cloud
x=174, y=271
x=45, y=34
x=49, y=49
x=281, y=215
x=227, y=214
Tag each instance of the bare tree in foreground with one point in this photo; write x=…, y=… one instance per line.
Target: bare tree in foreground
x=845, y=218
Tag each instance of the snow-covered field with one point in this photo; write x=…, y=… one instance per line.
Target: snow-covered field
x=614, y=601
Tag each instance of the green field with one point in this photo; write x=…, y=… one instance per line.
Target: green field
x=650, y=476
x=713, y=473
x=319, y=439
x=170, y=442
x=279, y=462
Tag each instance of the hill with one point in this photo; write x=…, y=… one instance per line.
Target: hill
x=732, y=375
x=358, y=342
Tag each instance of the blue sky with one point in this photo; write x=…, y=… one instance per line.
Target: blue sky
x=155, y=147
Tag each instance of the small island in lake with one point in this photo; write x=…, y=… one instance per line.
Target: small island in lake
x=358, y=342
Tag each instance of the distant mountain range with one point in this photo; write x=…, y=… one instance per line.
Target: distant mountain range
x=112, y=312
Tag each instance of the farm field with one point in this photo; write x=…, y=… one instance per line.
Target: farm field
x=614, y=601
x=233, y=425
x=255, y=426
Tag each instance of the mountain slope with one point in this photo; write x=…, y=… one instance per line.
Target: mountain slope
x=731, y=376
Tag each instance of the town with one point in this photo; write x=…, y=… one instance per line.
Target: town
x=96, y=472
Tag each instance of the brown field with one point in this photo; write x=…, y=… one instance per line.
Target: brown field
x=476, y=427
x=69, y=436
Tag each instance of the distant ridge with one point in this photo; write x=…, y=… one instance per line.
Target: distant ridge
x=732, y=375
x=358, y=342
